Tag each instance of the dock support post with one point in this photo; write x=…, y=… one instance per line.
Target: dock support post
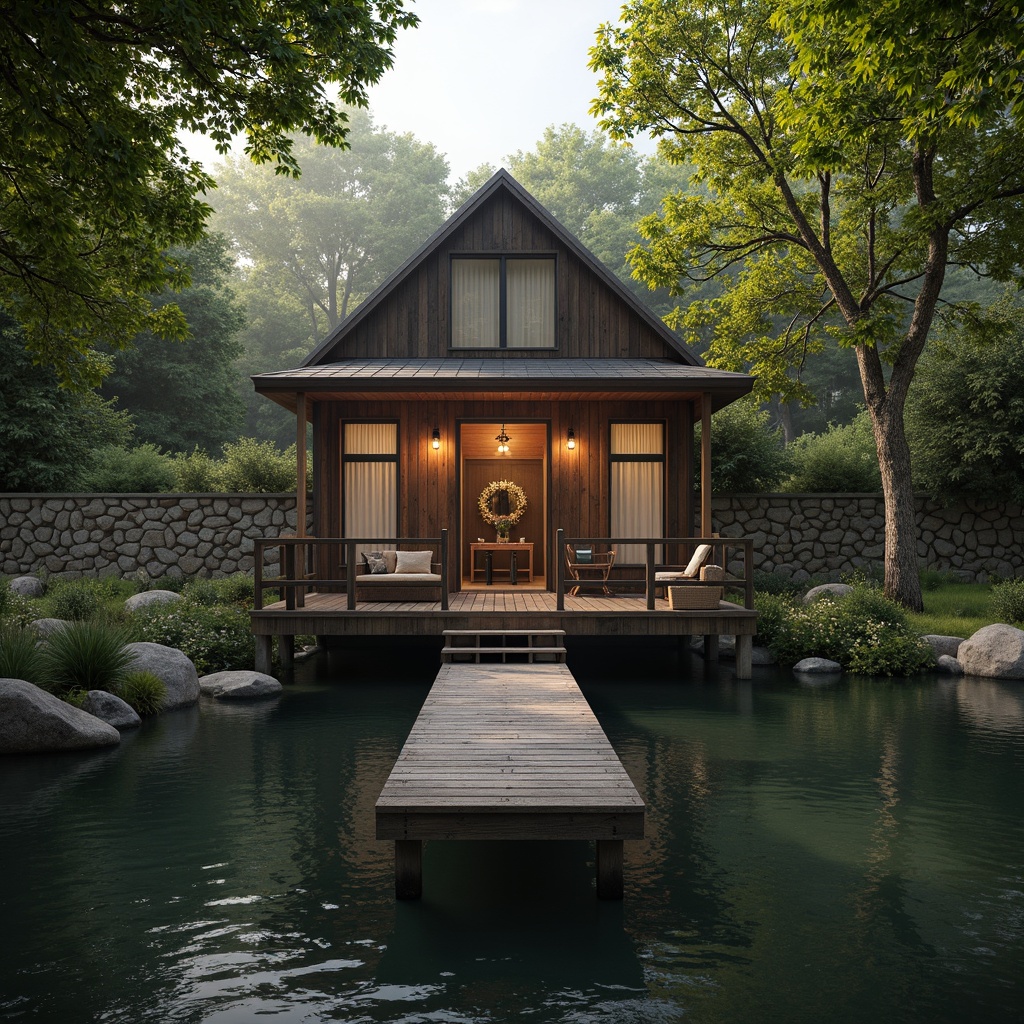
x=711, y=647
x=263, y=648
x=408, y=869
x=286, y=651
x=744, y=656
x=609, y=869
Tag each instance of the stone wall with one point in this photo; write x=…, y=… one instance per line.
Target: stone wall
x=800, y=535
x=827, y=535
x=163, y=534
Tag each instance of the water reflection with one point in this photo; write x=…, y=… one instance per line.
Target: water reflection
x=847, y=853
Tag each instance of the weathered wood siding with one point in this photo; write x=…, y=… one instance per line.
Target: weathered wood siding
x=412, y=322
x=427, y=479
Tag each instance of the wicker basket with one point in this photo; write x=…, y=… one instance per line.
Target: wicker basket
x=696, y=595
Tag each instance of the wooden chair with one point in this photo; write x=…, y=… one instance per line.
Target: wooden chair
x=588, y=568
x=692, y=571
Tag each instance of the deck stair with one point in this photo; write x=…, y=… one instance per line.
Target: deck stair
x=503, y=645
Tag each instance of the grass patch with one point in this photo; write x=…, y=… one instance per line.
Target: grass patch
x=955, y=609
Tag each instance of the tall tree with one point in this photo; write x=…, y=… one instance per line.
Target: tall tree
x=183, y=394
x=850, y=157
x=47, y=432
x=331, y=236
x=96, y=185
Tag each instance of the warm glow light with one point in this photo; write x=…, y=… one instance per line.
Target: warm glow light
x=436, y=442
x=503, y=440
x=571, y=440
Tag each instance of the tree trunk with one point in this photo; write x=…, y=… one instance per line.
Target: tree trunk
x=902, y=581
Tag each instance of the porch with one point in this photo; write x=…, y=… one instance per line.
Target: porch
x=634, y=608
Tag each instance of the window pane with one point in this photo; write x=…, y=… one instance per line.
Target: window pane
x=370, y=499
x=637, y=439
x=476, y=303
x=637, y=503
x=371, y=438
x=530, y=295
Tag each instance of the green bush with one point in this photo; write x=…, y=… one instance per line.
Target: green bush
x=1008, y=600
x=144, y=691
x=214, y=638
x=748, y=454
x=257, y=466
x=197, y=472
x=113, y=470
x=776, y=583
x=5, y=595
x=19, y=654
x=864, y=631
x=85, y=655
x=75, y=600
x=773, y=612
x=199, y=591
x=843, y=459
x=238, y=589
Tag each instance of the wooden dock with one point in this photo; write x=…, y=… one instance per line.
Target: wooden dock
x=508, y=751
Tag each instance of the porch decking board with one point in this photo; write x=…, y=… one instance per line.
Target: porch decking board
x=508, y=752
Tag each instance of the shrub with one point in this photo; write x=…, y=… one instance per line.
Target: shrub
x=773, y=612
x=5, y=595
x=864, y=632
x=776, y=583
x=115, y=470
x=1008, y=600
x=238, y=589
x=748, y=454
x=214, y=638
x=85, y=655
x=144, y=691
x=843, y=459
x=19, y=654
x=251, y=465
x=199, y=591
x=196, y=472
x=74, y=600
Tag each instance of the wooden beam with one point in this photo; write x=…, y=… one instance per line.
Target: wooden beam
x=408, y=869
x=300, y=464
x=705, y=466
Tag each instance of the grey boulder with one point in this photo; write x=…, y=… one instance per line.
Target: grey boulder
x=943, y=644
x=995, y=651
x=32, y=720
x=108, y=707
x=27, y=586
x=827, y=590
x=239, y=684
x=947, y=665
x=172, y=667
x=817, y=666
x=46, y=627
x=150, y=597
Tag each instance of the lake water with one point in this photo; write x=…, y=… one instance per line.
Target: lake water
x=847, y=853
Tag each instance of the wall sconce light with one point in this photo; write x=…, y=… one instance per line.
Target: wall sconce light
x=503, y=440
x=436, y=439
x=570, y=441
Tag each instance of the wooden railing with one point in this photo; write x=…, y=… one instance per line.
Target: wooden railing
x=330, y=564
x=684, y=546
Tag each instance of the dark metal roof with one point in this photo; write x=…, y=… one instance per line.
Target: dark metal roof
x=505, y=375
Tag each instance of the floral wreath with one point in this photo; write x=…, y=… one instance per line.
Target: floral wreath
x=518, y=500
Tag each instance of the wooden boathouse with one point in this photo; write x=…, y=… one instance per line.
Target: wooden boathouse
x=504, y=403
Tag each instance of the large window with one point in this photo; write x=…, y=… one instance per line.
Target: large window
x=370, y=479
x=637, y=486
x=503, y=302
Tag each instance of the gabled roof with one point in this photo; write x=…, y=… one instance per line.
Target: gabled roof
x=500, y=181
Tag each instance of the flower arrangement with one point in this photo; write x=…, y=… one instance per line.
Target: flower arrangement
x=517, y=500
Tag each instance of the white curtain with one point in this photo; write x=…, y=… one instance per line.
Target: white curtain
x=530, y=298
x=638, y=488
x=370, y=488
x=476, y=305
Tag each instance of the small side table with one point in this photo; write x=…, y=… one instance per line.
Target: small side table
x=515, y=549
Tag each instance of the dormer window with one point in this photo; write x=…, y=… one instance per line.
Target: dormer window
x=503, y=302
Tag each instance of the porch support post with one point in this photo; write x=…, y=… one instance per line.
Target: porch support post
x=300, y=464
x=408, y=869
x=744, y=656
x=705, y=465
x=609, y=869
x=263, y=652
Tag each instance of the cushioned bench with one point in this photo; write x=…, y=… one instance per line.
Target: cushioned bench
x=404, y=578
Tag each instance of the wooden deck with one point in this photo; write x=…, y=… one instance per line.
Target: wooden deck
x=618, y=616
x=508, y=752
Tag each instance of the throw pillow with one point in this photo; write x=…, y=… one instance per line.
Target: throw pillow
x=414, y=561
x=584, y=556
x=376, y=564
